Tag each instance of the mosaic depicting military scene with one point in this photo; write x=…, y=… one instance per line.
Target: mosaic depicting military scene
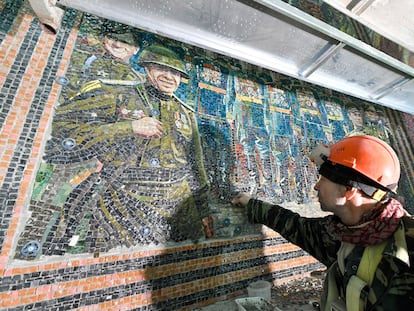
x=151, y=138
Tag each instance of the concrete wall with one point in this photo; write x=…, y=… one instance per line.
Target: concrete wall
x=251, y=141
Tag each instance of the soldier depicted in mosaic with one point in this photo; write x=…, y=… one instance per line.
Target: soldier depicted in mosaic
x=312, y=117
x=336, y=118
x=281, y=131
x=312, y=128
x=137, y=175
x=355, y=115
x=248, y=112
x=210, y=82
x=102, y=54
x=375, y=122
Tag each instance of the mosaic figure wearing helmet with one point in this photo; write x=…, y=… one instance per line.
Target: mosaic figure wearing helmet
x=138, y=174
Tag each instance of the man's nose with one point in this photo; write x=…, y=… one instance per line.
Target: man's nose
x=316, y=187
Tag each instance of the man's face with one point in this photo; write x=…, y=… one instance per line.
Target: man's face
x=330, y=195
x=356, y=117
x=164, y=78
x=372, y=115
x=118, y=49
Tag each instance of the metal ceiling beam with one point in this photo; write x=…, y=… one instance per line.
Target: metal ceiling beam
x=274, y=35
x=319, y=59
x=359, y=6
x=387, y=89
x=390, y=19
x=323, y=28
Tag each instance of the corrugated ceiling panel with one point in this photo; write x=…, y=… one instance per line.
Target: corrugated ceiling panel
x=272, y=35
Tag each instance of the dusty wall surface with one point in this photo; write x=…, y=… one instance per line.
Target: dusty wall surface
x=96, y=216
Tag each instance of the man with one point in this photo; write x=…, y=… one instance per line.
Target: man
x=280, y=121
x=375, y=122
x=139, y=175
x=210, y=80
x=247, y=109
x=336, y=119
x=358, y=174
x=355, y=116
x=102, y=55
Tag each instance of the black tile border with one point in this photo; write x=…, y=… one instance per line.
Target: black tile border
x=42, y=278
x=14, y=175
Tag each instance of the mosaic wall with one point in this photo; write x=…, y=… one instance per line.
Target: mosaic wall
x=151, y=138
x=78, y=191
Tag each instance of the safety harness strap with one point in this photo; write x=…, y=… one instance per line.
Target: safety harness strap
x=354, y=301
x=358, y=286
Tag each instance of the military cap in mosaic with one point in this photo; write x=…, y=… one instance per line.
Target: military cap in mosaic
x=370, y=108
x=127, y=38
x=353, y=106
x=160, y=55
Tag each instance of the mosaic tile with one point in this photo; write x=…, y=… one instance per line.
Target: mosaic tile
x=110, y=187
x=91, y=194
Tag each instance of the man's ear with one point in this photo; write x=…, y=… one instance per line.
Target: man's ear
x=350, y=192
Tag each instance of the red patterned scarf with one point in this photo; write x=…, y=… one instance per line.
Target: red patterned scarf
x=375, y=227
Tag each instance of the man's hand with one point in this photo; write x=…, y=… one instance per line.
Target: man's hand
x=241, y=200
x=147, y=127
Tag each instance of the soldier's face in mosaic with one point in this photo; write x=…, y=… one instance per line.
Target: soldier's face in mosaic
x=121, y=50
x=356, y=117
x=164, y=78
x=371, y=115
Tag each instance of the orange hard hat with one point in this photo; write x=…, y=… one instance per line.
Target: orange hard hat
x=367, y=156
